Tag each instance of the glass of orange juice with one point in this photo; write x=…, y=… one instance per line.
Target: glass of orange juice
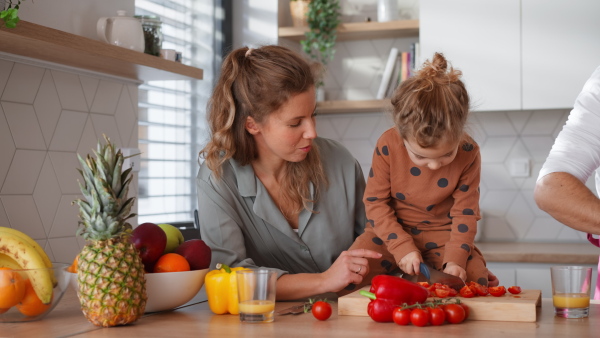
x=571, y=287
x=256, y=292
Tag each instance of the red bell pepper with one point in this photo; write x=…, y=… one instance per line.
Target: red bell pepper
x=389, y=292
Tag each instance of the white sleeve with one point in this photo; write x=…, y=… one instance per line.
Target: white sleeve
x=577, y=148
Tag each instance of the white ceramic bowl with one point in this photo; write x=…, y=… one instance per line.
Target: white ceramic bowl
x=166, y=290
x=14, y=314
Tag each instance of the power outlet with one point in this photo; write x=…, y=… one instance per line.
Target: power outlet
x=132, y=158
x=519, y=167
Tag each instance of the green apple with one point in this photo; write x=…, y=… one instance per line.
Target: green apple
x=174, y=237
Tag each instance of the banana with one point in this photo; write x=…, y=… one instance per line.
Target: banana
x=27, y=257
x=7, y=262
x=34, y=244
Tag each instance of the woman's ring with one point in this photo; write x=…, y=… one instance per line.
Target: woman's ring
x=359, y=268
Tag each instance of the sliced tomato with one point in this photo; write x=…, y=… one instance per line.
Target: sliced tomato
x=515, y=290
x=452, y=292
x=424, y=284
x=497, y=291
x=467, y=292
x=441, y=293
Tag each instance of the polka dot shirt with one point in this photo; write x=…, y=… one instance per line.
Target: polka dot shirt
x=403, y=200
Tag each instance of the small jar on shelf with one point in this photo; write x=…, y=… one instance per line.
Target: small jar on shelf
x=153, y=37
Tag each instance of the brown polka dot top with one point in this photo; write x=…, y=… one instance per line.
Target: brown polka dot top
x=400, y=194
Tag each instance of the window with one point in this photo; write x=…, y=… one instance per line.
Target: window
x=172, y=114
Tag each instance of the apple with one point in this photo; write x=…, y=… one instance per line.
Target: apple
x=150, y=240
x=196, y=252
x=174, y=237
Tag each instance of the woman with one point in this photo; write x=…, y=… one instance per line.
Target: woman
x=270, y=192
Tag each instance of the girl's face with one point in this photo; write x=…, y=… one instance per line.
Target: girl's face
x=287, y=133
x=432, y=157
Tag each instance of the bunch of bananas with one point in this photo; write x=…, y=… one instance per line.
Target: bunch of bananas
x=19, y=251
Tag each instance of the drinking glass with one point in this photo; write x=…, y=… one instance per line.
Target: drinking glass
x=256, y=292
x=571, y=287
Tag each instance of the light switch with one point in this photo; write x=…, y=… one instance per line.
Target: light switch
x=519, y=167
x=132, y=158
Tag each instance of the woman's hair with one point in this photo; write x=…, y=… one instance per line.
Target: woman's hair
x=256, y=83
x=432, y=105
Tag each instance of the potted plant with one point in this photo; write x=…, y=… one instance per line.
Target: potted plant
x=323, y=18
x=10, y=12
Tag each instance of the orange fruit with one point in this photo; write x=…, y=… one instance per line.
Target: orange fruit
x=171, y=262
x=31, y=305
x=73, y=267
x=12, y=288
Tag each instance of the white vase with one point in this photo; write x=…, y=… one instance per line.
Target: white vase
x=387, y=10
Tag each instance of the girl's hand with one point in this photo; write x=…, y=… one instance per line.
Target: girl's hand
x=410, y=263
x=455, y=270
x=349, y=268
x=492, y=279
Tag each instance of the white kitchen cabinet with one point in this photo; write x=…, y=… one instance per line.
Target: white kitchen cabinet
x=482, y=39
x=515, y=54
x=561, y=49
x=529, y=276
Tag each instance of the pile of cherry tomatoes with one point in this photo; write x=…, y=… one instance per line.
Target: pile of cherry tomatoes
x=433, y=313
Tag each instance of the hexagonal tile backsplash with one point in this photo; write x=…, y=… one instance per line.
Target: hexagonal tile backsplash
x=47, y=116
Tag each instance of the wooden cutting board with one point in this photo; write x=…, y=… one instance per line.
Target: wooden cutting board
x=512, y=308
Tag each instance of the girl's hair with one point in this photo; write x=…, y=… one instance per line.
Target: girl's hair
x=432, y=105
x=256, y=83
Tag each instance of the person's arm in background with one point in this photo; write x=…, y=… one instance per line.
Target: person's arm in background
x=561, y=189
x=569, y=201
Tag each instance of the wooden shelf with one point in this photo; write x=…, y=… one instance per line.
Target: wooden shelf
x=345, y=107
x=361, y=30
x=42, y=43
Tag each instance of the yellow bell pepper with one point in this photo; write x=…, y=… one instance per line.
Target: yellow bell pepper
x=221, y=289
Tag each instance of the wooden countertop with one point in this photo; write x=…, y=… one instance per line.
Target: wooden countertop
x=197, y=320
x=556, y=253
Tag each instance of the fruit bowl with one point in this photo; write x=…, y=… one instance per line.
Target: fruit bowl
x=17, y=285
x=168, y=290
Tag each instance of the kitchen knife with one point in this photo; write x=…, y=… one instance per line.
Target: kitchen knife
x=432, y=276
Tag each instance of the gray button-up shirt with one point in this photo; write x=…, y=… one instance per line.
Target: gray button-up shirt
x=242, y=225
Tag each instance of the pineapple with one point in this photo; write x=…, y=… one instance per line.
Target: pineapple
x=112, y=288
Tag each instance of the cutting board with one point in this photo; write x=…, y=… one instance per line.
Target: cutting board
x=512, y=308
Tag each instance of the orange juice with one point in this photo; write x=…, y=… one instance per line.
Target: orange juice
x=571, y=300
x=258, y=306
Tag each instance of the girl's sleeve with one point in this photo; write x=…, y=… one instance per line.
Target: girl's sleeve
x=465, y=213
x=380, y=215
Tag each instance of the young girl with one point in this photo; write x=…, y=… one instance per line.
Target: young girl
x=422, y=194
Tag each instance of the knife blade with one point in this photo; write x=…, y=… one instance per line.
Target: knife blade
x=293, y=310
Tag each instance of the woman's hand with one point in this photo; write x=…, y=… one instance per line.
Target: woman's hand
x=410, y=263
x=349, y=268
x=455, y=270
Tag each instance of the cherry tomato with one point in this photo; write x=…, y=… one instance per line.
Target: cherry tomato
x=424, y=284
x=514, y=290
x=455, y=313
x=452, y=292
x=478, y=289
x=321, y=310
x=441, y=293
x=419, y=317
x=497, y=291
x=467, y=292
x=437, y=316
x=401, y=316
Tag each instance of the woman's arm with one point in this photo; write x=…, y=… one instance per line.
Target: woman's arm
x=350, y=268
x=569, y=201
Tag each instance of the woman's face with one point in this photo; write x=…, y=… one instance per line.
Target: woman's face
x=432, y=157
x=287, y=133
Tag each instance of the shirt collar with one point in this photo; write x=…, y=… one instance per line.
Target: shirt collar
x=246, y=179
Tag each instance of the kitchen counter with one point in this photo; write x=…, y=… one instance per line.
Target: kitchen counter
x=197, y=320
x=556, y=253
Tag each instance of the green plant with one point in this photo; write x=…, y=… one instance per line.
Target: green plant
x=10, y=14
x=323, y=17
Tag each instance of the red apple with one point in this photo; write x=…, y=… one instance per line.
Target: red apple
x=197, y=253
x=150, y=240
